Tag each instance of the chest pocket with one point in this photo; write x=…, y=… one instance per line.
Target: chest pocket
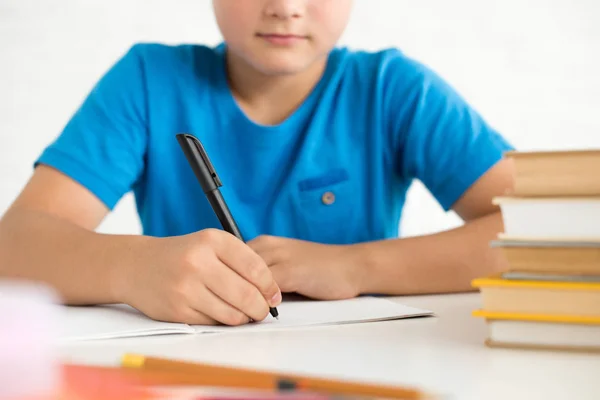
x=326, y=207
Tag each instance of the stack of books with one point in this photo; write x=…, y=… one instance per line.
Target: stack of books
x=549, y=297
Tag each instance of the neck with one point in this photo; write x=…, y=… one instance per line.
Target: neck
x=268, y=99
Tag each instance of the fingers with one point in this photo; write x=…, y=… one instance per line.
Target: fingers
x=237, y=292
x=194, y=317
x=217, y=310
x=250, y=266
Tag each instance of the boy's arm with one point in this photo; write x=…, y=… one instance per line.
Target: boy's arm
x=444, y=142
x=47, y=236
x=445, y=261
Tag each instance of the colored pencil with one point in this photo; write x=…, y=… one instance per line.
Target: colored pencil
x=232, y=377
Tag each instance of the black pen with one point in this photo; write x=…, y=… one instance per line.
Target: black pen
x=210, y=182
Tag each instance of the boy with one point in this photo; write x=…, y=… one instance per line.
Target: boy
x=316, y=147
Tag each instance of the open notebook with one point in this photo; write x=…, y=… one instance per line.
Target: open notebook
x=118, y=321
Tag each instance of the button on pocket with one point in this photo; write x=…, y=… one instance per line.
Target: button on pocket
x=325, y=208
x=328, y=198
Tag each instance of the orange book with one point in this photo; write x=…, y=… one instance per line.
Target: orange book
x=539, y=297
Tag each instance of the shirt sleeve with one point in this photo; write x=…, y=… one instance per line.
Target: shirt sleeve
x=102, y=147
x=438, y=137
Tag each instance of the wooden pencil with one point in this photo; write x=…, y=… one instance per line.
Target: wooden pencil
x=231, y=377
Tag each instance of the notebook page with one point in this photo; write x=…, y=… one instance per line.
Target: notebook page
x=112, y=321
x=302, y=313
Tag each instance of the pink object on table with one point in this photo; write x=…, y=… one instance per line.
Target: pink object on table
x=29, y=323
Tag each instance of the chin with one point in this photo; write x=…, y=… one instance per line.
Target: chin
x=282, y=65
x=280, y=70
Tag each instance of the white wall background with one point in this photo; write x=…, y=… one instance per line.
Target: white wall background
x=532, y=67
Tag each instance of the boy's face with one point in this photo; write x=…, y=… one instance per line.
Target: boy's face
x=281, y=36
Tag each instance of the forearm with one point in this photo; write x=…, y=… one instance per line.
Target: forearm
x=438, y=263
x=83, y=266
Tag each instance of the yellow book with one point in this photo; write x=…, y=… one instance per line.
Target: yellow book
x=542, y=331
x=581, y=299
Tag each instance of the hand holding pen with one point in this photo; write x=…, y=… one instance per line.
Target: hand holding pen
x=210, y=182
x=202, y=278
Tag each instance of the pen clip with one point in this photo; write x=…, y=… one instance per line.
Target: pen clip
x=204, y=155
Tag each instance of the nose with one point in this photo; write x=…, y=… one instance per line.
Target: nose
x=285, y=9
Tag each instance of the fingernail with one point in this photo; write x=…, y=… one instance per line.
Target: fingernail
x=275, y=300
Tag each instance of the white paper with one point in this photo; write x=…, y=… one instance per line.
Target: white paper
x=120, y=321
x=112, y=321
x=304, y=313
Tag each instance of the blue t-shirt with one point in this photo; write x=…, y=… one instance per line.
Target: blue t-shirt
x=336, y=171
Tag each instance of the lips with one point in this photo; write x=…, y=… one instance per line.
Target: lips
x=282, y=39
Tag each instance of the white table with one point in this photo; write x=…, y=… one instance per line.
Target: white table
x=444, y=354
